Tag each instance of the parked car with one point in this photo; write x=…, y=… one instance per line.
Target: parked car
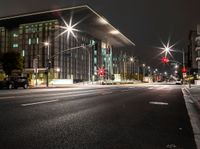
x=14, y=82
x=6, y=84
x=179, y=81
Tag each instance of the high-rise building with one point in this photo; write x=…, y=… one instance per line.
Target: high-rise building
x=197, y=49
x=73, y=42
x=193, y=54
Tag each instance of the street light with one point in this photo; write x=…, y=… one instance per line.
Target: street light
x=168, y=49
x=78, y=47
x=176, y=66
x=143, y=65
x=69, y=28
x=47, y=44
x=132, y=60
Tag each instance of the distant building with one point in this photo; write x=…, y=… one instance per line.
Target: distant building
x=193, y=54
x=97, y=42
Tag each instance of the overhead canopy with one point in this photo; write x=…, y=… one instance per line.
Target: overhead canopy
x=91, y=22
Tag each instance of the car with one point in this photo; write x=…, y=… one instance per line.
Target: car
x=179, y=81
x=6, y=84
x=14, y=82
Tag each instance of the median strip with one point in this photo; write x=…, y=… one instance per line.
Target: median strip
x=37, y=103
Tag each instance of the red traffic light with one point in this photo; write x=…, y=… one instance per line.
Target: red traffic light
x=184, y=70
x=101, y=72
x=165, y=60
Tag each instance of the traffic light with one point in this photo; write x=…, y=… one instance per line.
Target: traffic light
x=184, y=70
x=165, y=60
x=101, y=72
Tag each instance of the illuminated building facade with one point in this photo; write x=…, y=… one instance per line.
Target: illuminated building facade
x=193, y=53
x=72, y=55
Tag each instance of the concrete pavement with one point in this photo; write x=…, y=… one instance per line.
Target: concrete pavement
x=194, y=92
x=192, y=100
x=152, y=117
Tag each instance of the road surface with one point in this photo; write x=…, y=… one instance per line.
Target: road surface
x=114, y=117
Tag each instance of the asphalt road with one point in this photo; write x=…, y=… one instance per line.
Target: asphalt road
x=126, y=117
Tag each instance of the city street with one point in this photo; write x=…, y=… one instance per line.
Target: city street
x=109, y=117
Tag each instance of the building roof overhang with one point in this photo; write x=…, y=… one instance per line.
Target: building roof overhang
x=92, y=23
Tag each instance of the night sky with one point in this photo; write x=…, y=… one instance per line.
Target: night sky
x=145, y=22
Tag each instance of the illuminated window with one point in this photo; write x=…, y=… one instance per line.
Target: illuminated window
x=29, y=41
x=37, y=40
x=95, y=60
x=15, y=35
x=23, y=53
x=15, y=45
x=95, y=68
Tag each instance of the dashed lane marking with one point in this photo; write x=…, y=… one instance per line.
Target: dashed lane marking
x=37, y=103
x=158, y=103
x=105, y=93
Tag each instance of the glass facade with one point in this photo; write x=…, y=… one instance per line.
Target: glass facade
x=29, y=39
x=68, y=57
x=2, y=40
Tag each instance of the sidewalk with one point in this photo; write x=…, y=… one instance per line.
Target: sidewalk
x=82, y=84
x=192, y=101
x=194, y=93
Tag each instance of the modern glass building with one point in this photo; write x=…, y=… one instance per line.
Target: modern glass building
x=72, y=42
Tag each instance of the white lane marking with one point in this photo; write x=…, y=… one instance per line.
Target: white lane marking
x=158, y=103
x=105, y=93
x=124, y=90
x=44, y=95
x=37, y=103
x=49, y=101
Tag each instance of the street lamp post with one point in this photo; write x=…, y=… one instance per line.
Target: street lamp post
x=47, y=44
x=132, y=69
x=167, y=49
x=78, y=47
x=143, y=65
x=138, y=69
x=69, y=28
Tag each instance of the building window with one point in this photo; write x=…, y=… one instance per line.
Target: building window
x=95, y=52
x=15, y=35
x=37, y=40
x=95, y=60
x=29, y=41
x=15, y=45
